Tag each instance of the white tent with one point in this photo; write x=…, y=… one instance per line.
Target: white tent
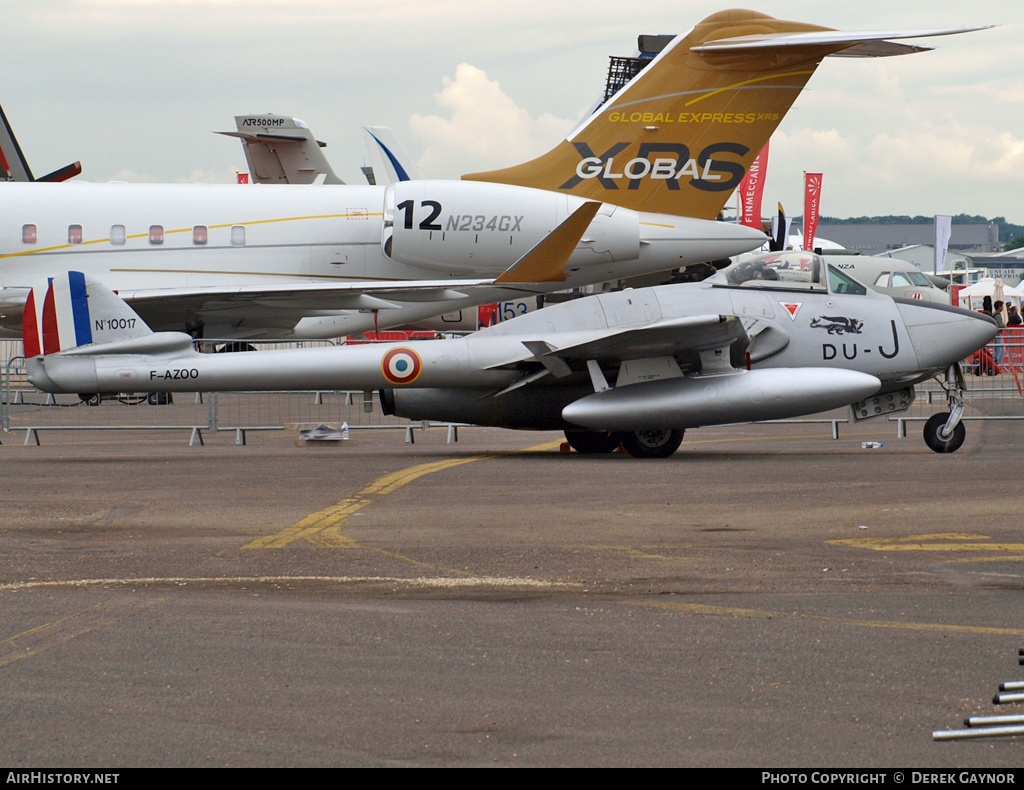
x=972, y=296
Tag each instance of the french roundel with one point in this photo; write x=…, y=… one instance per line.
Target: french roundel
x=401, y=366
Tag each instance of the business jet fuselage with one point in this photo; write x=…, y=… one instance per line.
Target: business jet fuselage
x=156, y=238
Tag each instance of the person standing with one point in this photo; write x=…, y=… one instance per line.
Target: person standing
x=1000, y=316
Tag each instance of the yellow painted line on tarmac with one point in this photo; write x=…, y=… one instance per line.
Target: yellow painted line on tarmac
x=766, y=614
x=60, y=631
x=939, y=541
x=35, y=640
x=323, y=528
x=640, y=552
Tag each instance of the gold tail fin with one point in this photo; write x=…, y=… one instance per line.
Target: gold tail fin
x=679, y=137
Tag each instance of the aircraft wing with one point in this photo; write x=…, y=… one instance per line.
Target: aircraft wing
x=682, y=338
x=282, y=307
x=704, y=341
x=308, y=299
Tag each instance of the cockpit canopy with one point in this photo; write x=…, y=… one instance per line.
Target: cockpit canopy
x=907, y=279
x=789, y=270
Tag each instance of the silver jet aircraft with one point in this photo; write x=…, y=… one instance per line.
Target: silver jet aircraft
x=636, y=367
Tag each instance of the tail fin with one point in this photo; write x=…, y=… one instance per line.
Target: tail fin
x=678, y=138
x=282, y=150
x=14, y=165
x=77, y=311
x=389, y=160
x=778, y=239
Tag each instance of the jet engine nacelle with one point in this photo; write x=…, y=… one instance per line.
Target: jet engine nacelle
x=469, y=226
x=666, y=404
x=538, y=408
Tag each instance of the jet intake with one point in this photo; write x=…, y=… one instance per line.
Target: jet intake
x=743, y=396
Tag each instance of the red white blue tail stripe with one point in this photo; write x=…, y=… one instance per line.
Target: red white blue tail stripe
x=76, y=311
x=31, y=329
x=61, y=321
x=66, y=314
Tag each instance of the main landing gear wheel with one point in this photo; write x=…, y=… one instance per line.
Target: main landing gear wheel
x=935, y=438
x=651, y=444
x=592, y=442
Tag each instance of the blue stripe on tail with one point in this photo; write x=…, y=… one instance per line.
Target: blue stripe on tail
x=399, y=170
x=80, y=308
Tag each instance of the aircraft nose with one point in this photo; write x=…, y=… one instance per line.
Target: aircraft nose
x=943, y=334
x=683, y=240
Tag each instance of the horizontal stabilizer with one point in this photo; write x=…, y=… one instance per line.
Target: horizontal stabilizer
x=155, y=343
x=255, y=137
x=63, y=173
x=860, y=43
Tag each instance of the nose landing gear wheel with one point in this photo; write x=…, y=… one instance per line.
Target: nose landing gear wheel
x=651, y=444
x=935, y=439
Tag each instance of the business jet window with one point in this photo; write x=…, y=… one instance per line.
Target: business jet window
x=792, y=269
x=238, y=235
x=117, y=235
x=29, y=234
x=883, y=280
x=74, y=234
x=910, y=280
x=156, y=234
x=200, y=234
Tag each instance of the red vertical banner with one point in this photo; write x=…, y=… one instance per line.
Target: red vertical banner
x=812, y=207
x=751, y=189
x=243, y=178
x=486, y=315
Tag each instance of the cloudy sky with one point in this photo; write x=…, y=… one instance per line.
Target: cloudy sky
x=134, y=88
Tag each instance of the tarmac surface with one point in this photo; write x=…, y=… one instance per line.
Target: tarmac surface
x=767, y=597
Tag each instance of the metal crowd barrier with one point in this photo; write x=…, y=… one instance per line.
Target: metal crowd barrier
x=994, y=378
x=23, y=408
